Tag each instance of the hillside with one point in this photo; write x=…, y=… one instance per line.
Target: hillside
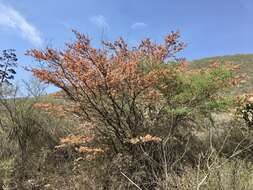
x=246, y=66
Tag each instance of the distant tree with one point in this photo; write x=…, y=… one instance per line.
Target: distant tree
x=8, y=62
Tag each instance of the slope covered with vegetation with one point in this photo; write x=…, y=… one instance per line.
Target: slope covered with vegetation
x=125, y=119
x=246, y=67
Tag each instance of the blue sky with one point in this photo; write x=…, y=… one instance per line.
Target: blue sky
x=209, y=27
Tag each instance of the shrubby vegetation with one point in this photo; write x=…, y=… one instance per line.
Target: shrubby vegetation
x=126, y=118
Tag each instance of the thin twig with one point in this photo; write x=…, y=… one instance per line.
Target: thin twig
x=131, y=181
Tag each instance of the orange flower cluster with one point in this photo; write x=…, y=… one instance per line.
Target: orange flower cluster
x=76, y=140
x=228, y=65
x=145, y=139
x=56, y=110
x=84, y=149
x=73, y=140
x=90, y=153
x=53, y=109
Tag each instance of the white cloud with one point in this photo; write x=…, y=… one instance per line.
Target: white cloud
x=100, y=21
x=11, y=18
x=138, y=25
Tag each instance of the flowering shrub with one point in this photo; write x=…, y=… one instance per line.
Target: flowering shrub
x=139, y=101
